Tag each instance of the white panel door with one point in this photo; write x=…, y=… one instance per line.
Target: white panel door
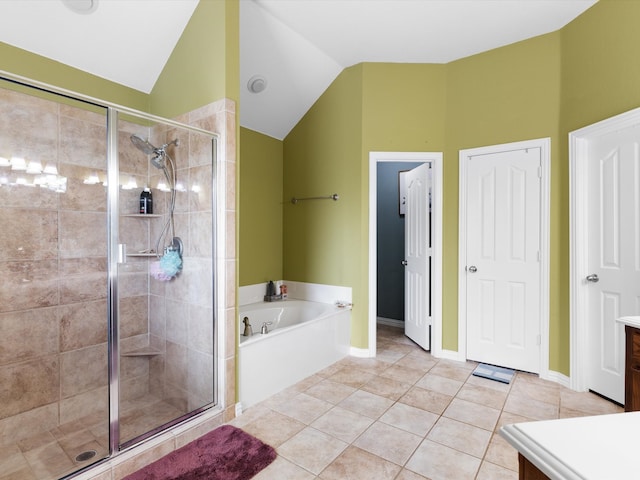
x=417, y=252
x=613, y=282
x=502, y=258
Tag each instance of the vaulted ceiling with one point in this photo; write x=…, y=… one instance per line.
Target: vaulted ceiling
x=296, y=48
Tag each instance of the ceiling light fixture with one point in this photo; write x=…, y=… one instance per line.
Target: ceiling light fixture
x=257, y=84
x=83, y=7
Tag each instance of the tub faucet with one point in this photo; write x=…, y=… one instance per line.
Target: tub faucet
x=265, y=328
x=248, y=331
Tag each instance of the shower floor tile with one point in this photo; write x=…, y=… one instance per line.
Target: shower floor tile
x=53, y=454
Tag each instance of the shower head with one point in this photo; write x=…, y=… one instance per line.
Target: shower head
x=159, y=154
x=143, y=145
x=158, y=159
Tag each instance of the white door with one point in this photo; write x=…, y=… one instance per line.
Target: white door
x=503, y=258
x=613, y=282
x=417, y=255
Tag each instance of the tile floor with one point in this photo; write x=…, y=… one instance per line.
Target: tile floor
x=404, y=415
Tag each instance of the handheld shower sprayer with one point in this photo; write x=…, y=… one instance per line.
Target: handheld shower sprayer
x=162, y=160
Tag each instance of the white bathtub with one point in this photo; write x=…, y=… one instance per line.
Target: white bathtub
x=304, y=338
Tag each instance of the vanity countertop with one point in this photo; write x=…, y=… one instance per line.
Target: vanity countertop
x=602, y=447
x=631, y=321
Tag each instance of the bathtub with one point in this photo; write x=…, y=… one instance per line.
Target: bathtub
x=304, y=337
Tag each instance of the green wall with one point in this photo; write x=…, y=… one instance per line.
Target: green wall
x=204, y=65
x=505, y=95
x=260, y=229
x=322, y=238
x=26, y=64
x=543, y=87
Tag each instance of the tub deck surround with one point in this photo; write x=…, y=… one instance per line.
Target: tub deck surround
x=304, y=337
x=585, y=448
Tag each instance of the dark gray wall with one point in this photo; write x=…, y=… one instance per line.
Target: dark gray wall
x=390, y=241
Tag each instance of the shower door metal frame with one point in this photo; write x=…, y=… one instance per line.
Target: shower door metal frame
x=115, y=255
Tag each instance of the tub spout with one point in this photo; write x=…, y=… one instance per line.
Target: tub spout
x=248, y=331
x=265, y=328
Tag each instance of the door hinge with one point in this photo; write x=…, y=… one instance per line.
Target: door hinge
x=540, y=171
x=538, y=340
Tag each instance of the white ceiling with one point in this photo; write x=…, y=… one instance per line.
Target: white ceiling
x=299, y=46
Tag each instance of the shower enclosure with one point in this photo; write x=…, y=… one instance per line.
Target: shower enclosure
x=106, y=314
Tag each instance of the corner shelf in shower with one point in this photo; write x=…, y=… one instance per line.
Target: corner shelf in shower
x=142, y=352
x=147, y=216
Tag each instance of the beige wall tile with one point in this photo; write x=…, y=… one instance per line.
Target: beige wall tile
x=27, y=385
x=28, y=334
x=83, y=370
x=33, y=234
x=82, y=325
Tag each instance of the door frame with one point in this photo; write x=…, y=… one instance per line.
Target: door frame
x=435, y=158
x=579, y=245
x=544, y=144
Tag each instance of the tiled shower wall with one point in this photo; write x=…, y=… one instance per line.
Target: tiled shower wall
x=53, y=355
x=53, y=272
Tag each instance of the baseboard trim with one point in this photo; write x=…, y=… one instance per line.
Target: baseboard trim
x=557, y=377
x=450, y=355
x=390, y=322
x=360, y=352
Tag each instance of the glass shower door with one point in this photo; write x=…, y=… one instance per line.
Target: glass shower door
x=54, y=416
x=165, y=283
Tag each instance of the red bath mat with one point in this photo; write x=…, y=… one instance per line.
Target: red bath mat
x=226, y=453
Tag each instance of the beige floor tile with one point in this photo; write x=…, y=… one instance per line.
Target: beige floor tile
x=418, y=361
x=438, y=462
x=409, y=475
x=342, y=424
x=388, y=442
x=530, y=408
x=403, y=374
x=306, y=383
x=386, y=387
x=22, y=474
x=356, y=464
x=352, y=377
x=587, y=402
x=507, y=418
x=439, y=384
x=411, y=419
x=461, y=436
x=282, y=469
x=489, y=471
x=482, y=396
x=303, y=408
x=492, y=384
x=426, y=399
x=546, y=392
x=371, y=365
x=312, y=449
x=449, y=370
x=274, y=428
x=501, y=453
x=329, y=391
x=365, y=403
x=472, y=413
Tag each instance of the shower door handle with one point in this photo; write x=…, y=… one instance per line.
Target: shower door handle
x=122, y=253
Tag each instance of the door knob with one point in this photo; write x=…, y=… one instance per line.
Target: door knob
x=404, y=262
x=593, y=278
x=473, y=269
